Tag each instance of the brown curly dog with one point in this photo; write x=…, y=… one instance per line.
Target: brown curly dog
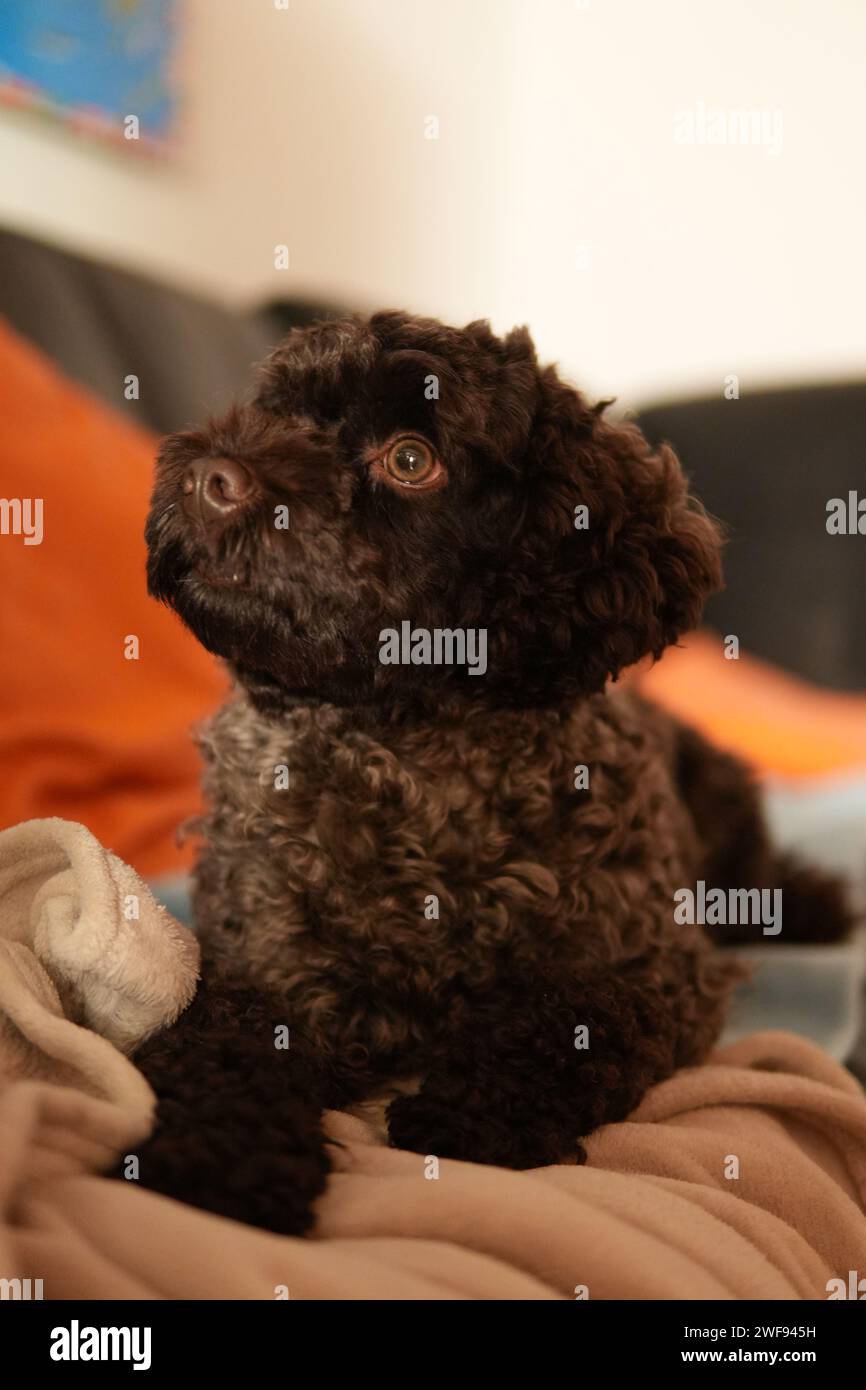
x=439, y=851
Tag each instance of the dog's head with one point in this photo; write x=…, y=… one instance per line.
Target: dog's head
x=392, y=471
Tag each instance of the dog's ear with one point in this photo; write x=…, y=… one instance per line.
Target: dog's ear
x=633, y=555
x=507, y=390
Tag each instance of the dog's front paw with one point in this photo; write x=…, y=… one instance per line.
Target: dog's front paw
x=428, y=1125
x=238, y=1126
x=262, y=1171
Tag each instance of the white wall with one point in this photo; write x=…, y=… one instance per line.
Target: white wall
x=705, y=260
x=556, y=133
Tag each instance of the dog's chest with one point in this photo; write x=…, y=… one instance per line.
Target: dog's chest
x=343, y=819
x=351, y=871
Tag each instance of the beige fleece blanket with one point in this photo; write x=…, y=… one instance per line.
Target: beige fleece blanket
x=89, y=965
x=744, y=1178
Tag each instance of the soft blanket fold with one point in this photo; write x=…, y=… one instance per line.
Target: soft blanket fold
x=744, y=1178
x=89, y=964
x=122, y=963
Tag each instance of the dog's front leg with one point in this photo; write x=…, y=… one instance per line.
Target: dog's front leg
x=238, y=1128
x=535, y=1066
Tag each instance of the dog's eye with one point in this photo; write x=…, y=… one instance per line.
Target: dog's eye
x=412, y=463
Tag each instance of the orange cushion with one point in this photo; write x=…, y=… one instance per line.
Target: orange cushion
x=780, y=724
x=85, y=733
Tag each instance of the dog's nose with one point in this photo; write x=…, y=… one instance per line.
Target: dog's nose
x=214, y=488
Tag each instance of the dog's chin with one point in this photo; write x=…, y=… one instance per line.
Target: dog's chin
x=274, y=659
x=229, y=620
x=228, y=616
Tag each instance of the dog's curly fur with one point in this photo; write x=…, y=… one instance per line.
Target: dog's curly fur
x=431, y=903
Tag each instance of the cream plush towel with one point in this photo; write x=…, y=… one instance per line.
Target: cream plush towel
x=89, y=964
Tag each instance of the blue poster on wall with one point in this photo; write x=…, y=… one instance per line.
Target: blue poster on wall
x=94, y=63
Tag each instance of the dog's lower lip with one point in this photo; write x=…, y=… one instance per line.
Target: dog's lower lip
x=220, y=581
